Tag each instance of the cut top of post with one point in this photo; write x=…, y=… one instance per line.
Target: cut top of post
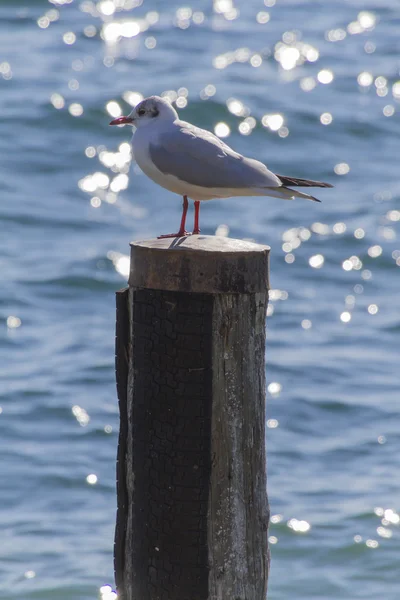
x=200, y=263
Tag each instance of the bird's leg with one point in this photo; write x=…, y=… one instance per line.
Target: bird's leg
x=196, y=228
x=182, y=232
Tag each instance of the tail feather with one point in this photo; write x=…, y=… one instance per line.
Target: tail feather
x=288, y=194
x=302, y=182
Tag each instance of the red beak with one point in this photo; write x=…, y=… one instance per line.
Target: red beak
x=122, y=121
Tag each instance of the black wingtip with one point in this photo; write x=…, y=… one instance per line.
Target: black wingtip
x=297, y=182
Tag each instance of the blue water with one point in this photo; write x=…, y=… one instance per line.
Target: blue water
x=327, y=73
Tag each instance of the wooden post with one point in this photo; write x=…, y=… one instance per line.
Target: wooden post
x=193, y=513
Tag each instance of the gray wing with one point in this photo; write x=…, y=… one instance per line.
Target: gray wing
x=198, y=157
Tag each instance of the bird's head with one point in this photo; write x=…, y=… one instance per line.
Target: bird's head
x=148, y=111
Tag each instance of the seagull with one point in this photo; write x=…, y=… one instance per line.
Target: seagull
x=196, y=164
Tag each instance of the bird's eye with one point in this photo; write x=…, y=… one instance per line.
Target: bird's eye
x=141, y=112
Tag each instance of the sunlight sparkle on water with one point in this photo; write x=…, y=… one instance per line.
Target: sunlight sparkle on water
x=287, y=56
x=132, y=98
x=247, y=126
x=222, y=230
x=359, y=233
x=236, y=107
x=278, y=295
x=256, y=60
x=120, y=182
x=95, y=202
x=384, y=532
x=369, y=47
x=198, y=17
x=13, y=322
x=366, y=21
x=263, y=17
x=53, y=15
x=316, y=261
x=43, y=22
x=209, y=91
x=107, y=593
x=73, y=85
x=107, y=158
x=273, y=121
x=274, y=388
x=335, y=35
x=342, y=168
x=81, y=415
x=220, y=62
x=113, y=109
x=69, y=38
x=375, y=251
x=366, y=274
x=90, y=151
x=222, y=130
x=226, y=9
x=91, y=183
x=181, y=102
x=347, y=265
x=326, y=118
x=29, y=574
x=325, y=76
x=351, y=263
x=273, y=539
x=121, y=262
x=365, y=79
x=90, y=31
x=299, y=526
x=393, y=215
x=373, y=309
x=57, y=101
x=113, y=31
x=389, y=110
x=307, y=84
x=106, y=7
x=345, y=316
x=276, y=519
x=5, y=70
x=291, y=52
x=283, y=132
x=75, y=109
x=396, y=90
x=339, y=228
x=320, y=228
x=391, y=516
x=380, y=82
x=221, y=6
x=150, y=42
